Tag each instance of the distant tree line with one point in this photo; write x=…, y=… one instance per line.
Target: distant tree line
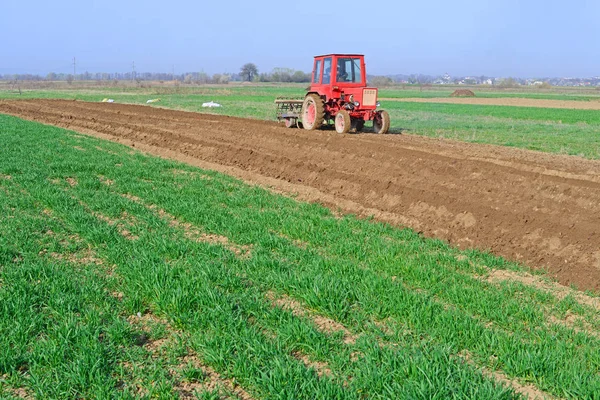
x=277, y=75
x=249, y=72
x=187, y=77
x=284, y=75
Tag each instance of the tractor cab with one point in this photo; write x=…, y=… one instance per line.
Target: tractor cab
x=342, y=76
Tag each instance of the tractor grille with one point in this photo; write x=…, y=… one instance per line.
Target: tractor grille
x=369, y=97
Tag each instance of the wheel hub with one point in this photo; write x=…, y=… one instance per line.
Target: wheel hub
x=311, y=113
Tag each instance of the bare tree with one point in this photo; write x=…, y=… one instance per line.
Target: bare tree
x=509, y=83
x=300, y=76
x=249, y=71
x=380, y=81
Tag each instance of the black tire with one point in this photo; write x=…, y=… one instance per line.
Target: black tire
x=381, y=122
x=343, y=123
x=358, y=124
x=313, y=112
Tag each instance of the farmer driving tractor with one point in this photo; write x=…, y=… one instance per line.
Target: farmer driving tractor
x=342, y=75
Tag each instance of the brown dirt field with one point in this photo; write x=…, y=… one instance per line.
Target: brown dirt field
x=462, y=93
x=538, y=208
x=514, y=102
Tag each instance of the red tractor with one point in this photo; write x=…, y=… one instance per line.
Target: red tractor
x=338, y=93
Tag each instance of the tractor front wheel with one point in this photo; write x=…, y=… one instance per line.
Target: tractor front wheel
x=381, y=122
x=313, y=112
x=342, y=122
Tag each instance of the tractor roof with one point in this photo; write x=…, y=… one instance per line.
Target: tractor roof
x=341, y=55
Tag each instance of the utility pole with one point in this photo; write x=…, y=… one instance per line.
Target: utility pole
x=173, y=73
x=133, y=71
x=74, y=68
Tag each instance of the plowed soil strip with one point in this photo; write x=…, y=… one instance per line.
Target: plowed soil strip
x=186, y=390
x=509, y=101
x=193, y=233
x=324, y=324
x=558, y=290
x=529, y=391
x=538, y=208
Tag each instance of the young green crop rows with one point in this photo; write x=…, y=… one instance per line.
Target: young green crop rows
x=124, y=275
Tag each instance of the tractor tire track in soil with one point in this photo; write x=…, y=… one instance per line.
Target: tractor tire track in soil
x=537, y=208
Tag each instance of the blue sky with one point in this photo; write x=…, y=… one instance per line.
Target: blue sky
x=527, y=38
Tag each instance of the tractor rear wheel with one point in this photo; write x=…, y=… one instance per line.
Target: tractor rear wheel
x=313, y=112
x=342, y=122
x=381, y=122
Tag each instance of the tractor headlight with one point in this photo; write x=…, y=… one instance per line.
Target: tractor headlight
x=378, y=104
x=356, y=104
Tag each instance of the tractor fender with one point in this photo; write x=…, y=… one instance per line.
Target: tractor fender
x=317, y=93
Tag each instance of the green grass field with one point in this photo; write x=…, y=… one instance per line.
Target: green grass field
x=491, y=92
x=124, y=275
x=560, y=131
